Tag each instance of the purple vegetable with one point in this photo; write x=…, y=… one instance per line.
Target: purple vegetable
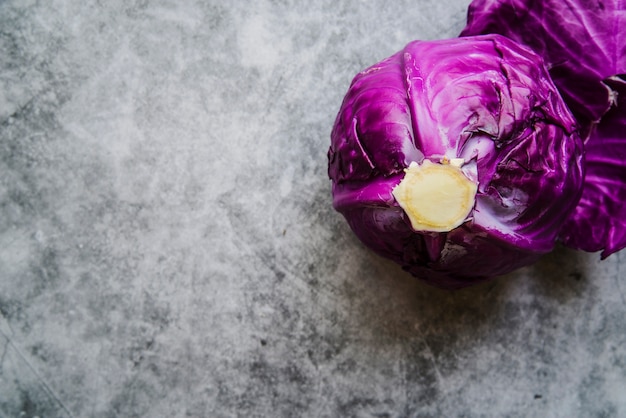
x=583, y=43
x=599, y=220
x=456, y=158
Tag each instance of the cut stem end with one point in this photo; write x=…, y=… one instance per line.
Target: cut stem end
x=436, y=197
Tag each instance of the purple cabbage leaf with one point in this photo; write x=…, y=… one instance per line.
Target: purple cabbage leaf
x=583, y=43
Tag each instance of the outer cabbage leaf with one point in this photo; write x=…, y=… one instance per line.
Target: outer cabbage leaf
x=484, y=99
x=599, y=220
x=583, y=43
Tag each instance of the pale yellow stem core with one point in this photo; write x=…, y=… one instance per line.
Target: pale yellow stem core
x=436, y=197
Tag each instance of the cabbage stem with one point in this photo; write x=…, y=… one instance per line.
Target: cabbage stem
x=436, y=197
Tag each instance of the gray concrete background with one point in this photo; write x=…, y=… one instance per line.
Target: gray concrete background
x=168, y=246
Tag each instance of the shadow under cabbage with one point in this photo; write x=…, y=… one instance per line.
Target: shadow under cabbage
x=391, y=306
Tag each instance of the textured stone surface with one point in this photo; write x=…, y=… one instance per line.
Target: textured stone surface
x=168, y=247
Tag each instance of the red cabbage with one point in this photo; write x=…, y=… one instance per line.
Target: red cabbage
x=485, y=101
x=583, y=43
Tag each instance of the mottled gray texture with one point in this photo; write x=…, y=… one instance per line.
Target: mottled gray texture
x=168, y=246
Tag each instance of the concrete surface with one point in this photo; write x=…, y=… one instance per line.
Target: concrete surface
x=168, y=247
